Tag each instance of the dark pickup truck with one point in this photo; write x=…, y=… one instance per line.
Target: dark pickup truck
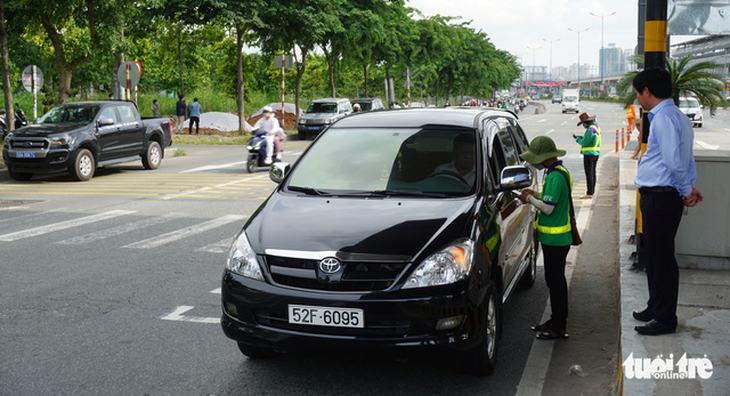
x=79, y=137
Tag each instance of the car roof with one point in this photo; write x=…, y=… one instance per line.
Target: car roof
x=366, y=100
x=465, y=117
x=330, y=100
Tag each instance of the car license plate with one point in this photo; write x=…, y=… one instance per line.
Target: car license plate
x=24, y=155
x=326, y=316
x=313, y=128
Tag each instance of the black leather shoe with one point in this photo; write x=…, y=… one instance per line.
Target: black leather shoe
x=643, y=316
x=654, y=327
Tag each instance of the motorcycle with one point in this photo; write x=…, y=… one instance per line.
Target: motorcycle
x=20, y=121
x=257, y=152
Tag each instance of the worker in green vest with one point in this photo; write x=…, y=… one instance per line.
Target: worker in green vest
x=553, y=229
x=590, y=144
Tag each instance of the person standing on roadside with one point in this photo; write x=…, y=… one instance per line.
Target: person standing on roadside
x=155, y=108
x=553, y=230
x=630, y=117
x=180, y=108
x=665, y=178
x=590, y=144
x=195, y=109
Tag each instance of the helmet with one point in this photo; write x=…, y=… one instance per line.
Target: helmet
x=267, y=109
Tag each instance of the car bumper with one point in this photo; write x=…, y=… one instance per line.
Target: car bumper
x=256, y=313
x=51, y=161
x=311, y=128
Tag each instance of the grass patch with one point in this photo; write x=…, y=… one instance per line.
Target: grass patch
x=212, y=139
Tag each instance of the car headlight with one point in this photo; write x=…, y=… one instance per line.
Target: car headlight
x=61, y=140
x=242, y=259
x=301, y=120
x=446, y=266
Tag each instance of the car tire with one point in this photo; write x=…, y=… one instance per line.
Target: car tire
x=19, y=176
x=254, y=352
x=152, y=156
x=251, y=163
x=84, y=166
x=528, y=278
x=302, y=135
x=482, y=359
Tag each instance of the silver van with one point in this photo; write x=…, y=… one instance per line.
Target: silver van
x=320, y=114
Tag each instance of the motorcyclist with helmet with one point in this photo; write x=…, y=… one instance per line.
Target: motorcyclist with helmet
x=271, y=126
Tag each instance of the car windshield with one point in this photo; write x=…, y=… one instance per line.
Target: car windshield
x=76, y=115
x=322, y=107
x=365, y=106
x=688, y=103
x=389, y=161
x=571, y=99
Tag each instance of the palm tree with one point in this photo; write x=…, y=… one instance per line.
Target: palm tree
x=697, y=79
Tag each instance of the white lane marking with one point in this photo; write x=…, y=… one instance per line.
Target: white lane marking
x=25, y=216
x=184, y=232
x=707, y=145
x=177, y=316
x=550, y=131
x=122, y=229
x=212, y=167
x=218, y=247
x=216, y=291
x=564, y=122
x=543, y=120
x=14, y=236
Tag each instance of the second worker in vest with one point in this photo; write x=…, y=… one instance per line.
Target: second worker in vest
x=590, y=144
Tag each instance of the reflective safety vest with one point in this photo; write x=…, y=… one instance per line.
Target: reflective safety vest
x=597, y=143
x=631, y=112
x=552, y=233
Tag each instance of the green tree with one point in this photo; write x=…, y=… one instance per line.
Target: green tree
x=696, y=78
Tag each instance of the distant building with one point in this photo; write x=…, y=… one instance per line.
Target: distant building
x=713, y=49
x=612, y=60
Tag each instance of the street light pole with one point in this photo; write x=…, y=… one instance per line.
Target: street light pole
x=533, y=59
x=579, y=32
x=551, y=60
x=602, y=54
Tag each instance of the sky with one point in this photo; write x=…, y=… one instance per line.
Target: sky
x=526, y=27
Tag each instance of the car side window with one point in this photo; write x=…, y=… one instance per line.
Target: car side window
x=109, y=112
x=126, y=114
x=508, y=145
x=519, y=135
x=496, y=154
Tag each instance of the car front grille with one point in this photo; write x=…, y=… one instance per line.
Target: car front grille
x=29, y=143
x=357, y=275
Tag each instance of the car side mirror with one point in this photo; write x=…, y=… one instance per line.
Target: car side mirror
x=105, y=121
x=278, y=171
x=515, y=177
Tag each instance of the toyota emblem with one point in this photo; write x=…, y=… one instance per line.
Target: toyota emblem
x=330, y=265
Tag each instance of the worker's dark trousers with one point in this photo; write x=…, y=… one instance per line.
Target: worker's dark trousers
x=589, y=164
x=554, y=258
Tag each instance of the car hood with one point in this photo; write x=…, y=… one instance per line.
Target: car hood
x=317, y=116
x=39, y=130
x=382, y=226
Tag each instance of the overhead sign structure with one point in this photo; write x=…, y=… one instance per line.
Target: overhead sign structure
x=33, y=81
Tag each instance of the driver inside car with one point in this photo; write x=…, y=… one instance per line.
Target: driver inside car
x=462, y=167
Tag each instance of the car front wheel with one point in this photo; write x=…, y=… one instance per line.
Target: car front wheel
x=482, y=359
x=84, y=166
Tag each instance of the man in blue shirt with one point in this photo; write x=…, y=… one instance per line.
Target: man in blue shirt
x=195, y=109
x=665, y=179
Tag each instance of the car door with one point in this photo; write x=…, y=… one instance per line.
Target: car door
x=512, y=212
x=131, y=131
x=108, y=136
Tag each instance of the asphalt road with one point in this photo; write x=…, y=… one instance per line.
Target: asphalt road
x=111, y=286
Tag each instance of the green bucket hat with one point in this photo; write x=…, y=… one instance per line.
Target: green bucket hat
x=541, y=148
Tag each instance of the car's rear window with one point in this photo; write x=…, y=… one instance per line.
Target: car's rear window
x=415, y=160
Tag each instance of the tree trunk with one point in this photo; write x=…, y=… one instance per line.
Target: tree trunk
x=301, y=67
x=436, y=96
x=180, y=61
x=365, y=76
x=330, y=69
x=241, y=105
x=391, y=99
x=7, y=91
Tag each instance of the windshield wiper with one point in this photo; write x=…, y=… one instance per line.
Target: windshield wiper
x=309, y=191
x=400, y=193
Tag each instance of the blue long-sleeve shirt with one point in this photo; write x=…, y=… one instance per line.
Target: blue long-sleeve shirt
x=195, y=109
x=668, y=160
